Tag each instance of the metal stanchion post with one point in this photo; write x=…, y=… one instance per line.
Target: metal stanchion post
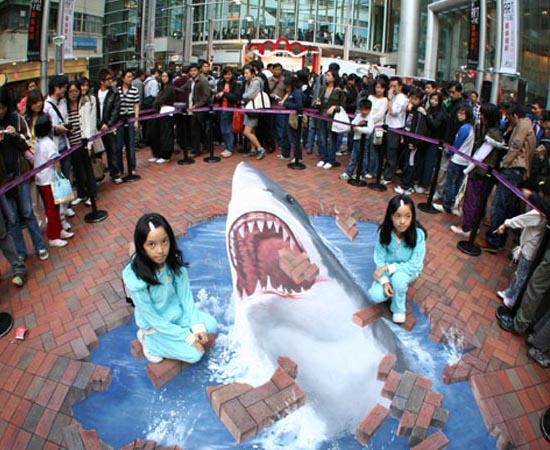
x=296, y=164
x=126, y=138
x=185, y=119
x=96, y=215
x=358, y=181
x=545, y=424
x=376, y=185
x=428, y=207
x=470, y=247
x=6, y=322
x=211, y=158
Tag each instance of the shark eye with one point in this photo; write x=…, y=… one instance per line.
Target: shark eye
x=290, y=199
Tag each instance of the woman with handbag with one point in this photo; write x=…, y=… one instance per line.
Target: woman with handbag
x=253, y=87
x=88, y=129
x=331, y=99
x=227, y=96
x=16, y=203
x=379, y=101
x=45, y=150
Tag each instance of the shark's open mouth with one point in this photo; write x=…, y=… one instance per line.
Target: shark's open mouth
x=256, y=241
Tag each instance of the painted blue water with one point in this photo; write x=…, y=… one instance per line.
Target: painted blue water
x=179, y=413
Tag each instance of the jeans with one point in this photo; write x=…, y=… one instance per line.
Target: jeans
x=373, y=156
x=109, y=141
x=7, y=247
x=455, y=175
x=519, y=278
x=126, y=138
x=393, y=142
x=354, y=158
x=12, y=202
x=281, y=128
x=79, y=169
x=226, y=128
x=311, y=134
x=504, y=206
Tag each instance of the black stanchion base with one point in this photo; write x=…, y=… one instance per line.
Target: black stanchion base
x=427, y=208
x=296, y=165
x=357, y=183
x=469, y=249
x=96, y=216
x=131, y=178
x=6, y=322
x=187, y=160
x=212, y=159
x=545, y=424
x=377, y=187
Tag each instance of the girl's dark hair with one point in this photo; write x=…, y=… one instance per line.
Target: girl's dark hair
x=381, y=82
x=42, y=126
x=336, y=76
x=490, y=116
x=228, y=69
x=33, y=97
x=76, y=84
x=386, y=227
x=170, y=75
x=142, y=265
x=469, y=114
x=439, y=96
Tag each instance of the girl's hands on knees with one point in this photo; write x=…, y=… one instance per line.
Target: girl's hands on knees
x=388, y=290
x=379, y=272
x=198, y=346
x=201, y=337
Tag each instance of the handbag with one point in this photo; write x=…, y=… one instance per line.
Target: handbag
x=61, y=189
x=237, y=125
x=459, y=199
x=378, y=136
x=340, y=122
x=99, y=169
x=260, y=101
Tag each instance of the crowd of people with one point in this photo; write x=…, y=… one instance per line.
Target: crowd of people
x=508, y=138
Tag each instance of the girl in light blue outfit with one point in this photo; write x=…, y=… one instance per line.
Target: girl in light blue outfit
x=170, y=325
x=398, y=255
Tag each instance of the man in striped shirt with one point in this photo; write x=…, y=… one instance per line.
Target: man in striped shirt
x=129, y=108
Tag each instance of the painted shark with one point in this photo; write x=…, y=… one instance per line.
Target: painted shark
x=309, y=320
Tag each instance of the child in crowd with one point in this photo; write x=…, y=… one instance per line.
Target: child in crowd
x=45, y=150
x=533, y=228
x=398, y=255
x=170, y=325
x=362, y=125
x=416, y=123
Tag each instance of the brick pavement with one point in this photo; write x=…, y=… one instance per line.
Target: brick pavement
x=75, y=296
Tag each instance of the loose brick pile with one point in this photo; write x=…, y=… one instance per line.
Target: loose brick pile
x=298, y=267
x=413, y=402
x=347, y=223
x=245, y=410
x=161, y=373
x=374, y=312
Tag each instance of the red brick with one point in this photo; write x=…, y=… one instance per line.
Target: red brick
x=136, y=349
x=406, y=424
x=258, y=394
x=281, y=379
x=385, y=366
x=424, y=383
x=211, y=389
x=237, y=420
x=287, y=400
x=90, y=439
x=425, y=416
x=289, y=366
x=367, y=315
x=436, y=441
x=162, y=373
x=370, y=424
x=226, y=393
x=433, y=398
x=262, y=414
x=45, y=423
x=100, y=379
x=391, y=384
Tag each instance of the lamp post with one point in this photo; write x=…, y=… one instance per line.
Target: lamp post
x=58, y=41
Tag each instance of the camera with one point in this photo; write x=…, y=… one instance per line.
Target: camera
x=68, y=125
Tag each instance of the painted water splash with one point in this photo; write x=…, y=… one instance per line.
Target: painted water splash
x=453, y=345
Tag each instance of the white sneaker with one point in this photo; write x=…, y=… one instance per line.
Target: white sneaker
x=43, y=254
x=438, y=207
x=399, y=317
x=66, y=234
x=226, y=154
x=344, y=176
x=320, y=164
x=409, y=191
x=57, y=243
x=501, y=295
x=69, y=212
x=152, y=160
x=151, y=358
x=398, y=190
x=162, y=161
x=460, y=231
x=327, y=166
x=385, y=182
x=65, y=225
x=420, y=189
x=88, y=202
x=368, y=176
x=77, y=201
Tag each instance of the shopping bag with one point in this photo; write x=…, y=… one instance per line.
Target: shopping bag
x=456, y=209
x=61, y=189
x=237, y=125
x=340, y=122
x=378, y=136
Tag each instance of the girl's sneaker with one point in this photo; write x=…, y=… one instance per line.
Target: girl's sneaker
x=344, y=176
x=458, y=230
x=539, y=356
x=151, y=358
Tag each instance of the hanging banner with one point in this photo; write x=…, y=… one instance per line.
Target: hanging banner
x=139, y=31
x=473, y=46
x=68, y=25
x=509, y=61
x=35, y=30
